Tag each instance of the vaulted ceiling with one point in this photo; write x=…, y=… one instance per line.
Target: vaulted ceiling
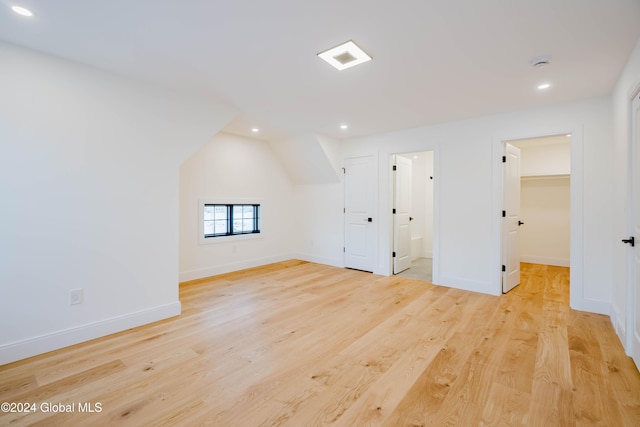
x=433, y=60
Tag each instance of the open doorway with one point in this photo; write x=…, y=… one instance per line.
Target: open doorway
x=542, y=235
x=418, y=240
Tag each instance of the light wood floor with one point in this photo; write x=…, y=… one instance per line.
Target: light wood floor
x=301, y=344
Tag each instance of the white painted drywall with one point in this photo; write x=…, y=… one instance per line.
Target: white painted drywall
x=232, y=167
x=545, y=200
x=308, y=158
x=467, y=251
x=542, y=159
x=545, y=211
x=319, y=223
x=427, y=239
x=619, y=187
x=89, y=188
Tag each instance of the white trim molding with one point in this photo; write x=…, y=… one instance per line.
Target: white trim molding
x=41, y=344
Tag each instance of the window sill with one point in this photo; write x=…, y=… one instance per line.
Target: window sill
x=232, y=238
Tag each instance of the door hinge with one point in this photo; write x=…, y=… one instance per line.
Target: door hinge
x=394, y=254
x=344, y=170
x=393, y=211
x=504, y=159
x=344, y=210
x=394, y=167
x=504, y=214
x=504, y=268
x=344, y=249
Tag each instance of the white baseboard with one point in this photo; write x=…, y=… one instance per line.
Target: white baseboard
x=593, y=306
x=42, y=344
x=559, y=262
x=468, y=285
x=619, y=327
x=320, y=260
x=214, y=270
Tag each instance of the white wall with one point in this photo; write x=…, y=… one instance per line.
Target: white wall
x=231, y=167
x=308, y=158
x=545, y=165
x=545, y=211
x=542, y=159
x=89, y=188
x=620, y=189
x=427, y=240
x=467, y=249
x=319, y=221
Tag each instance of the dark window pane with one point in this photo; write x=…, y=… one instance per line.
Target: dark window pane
x=240, y=218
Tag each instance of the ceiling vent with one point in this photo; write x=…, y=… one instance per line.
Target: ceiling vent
x=345, y=58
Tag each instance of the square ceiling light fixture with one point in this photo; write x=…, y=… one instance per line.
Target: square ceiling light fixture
x=345, y=56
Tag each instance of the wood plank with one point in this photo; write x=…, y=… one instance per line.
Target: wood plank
x=298, y=343
x=593, y=403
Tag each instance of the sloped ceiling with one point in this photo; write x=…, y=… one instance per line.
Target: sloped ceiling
x=434, y=61
x=308, y=159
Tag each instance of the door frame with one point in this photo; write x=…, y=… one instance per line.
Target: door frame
x=386, y=258
x=576, y=294
x=630, y=290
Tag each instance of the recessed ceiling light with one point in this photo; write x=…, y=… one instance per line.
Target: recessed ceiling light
x=344, y=127
x=345, y=56
x=544, y=86
x=255, y=130
x=568, y=135
x=21, y=11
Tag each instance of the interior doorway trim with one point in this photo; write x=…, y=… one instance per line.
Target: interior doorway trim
x=576, y=296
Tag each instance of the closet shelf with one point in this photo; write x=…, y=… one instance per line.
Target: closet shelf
x=532, y=177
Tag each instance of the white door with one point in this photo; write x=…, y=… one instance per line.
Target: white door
x=511, y=218
x=359, y=226
x=401, y=214
x=635, y=203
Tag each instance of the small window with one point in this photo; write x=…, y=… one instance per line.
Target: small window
x=231, y=219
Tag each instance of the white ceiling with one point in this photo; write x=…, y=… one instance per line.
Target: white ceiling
x=434, y=60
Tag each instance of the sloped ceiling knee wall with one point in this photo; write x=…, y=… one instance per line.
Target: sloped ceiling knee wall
x=309, y=159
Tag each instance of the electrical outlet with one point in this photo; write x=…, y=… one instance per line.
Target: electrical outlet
x=75, y=296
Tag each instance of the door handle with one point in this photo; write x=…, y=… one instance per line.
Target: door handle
x=368, y=220
x=520, y=223
x=410, y=218
x=631, y=241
